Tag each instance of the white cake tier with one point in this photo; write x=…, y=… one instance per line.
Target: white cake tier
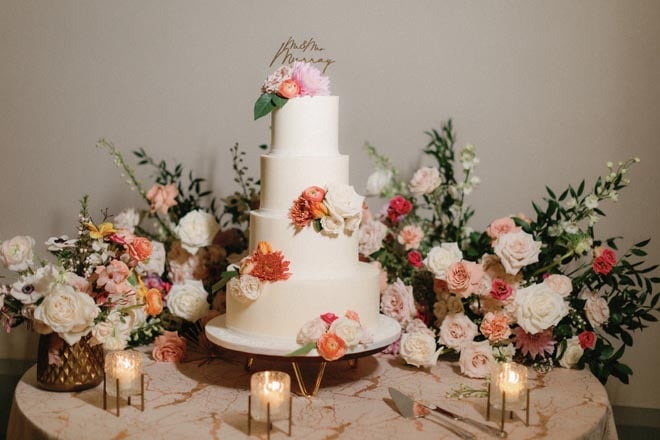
x=310, y=252
x=293, y=302
x=283, y=179
x=306, y=126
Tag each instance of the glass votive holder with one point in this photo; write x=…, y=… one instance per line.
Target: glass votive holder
x=270, y=388
x=125, y=366
x=508, y=380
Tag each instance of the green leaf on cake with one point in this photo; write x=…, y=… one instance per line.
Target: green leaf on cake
x=278, y=101
x=267, y=103
x=302, y=351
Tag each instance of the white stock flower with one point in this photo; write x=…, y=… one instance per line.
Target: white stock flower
x=349, y=330
x=538, y=308
x=572, y=354
x=516, y=250
x=245, y=288
x=456, y=331
x=378, y=181
x=372, y=234
x=17, y=253
x=425, y=181
x=187, y=300
x=441, y=257
x=591, y=201
x=127, y=219
x=311, y=331
x=156, y=262
x=343, y=200
x=197, y=229
x=584, y=245
x=68, y=312
x=476, y=359
x=419, y=349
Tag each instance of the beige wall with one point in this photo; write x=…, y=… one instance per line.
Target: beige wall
x=547, y=91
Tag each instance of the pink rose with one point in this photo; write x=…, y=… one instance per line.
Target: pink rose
x=464, y=278
x=501, y=226
x=516, y=250
x=329, y=318
x=398, y=207
x=397, y=302
x=169, y=347
x=162, y=197
x=415, y=259
x=500, y=290
x=425, y=181
x=560, y=284
x=495, y=326
x=410, y=237
x=456, y=331
x=587, y=339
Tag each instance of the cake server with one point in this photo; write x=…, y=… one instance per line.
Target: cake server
x=407, y=407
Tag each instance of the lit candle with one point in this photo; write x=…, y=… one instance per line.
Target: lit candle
x=511, y=379
x=270, y=387
x=125, y=366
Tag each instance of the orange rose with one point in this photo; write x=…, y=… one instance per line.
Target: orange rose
x=288, y=89
x=140, y=248
x=154, y=302
x=330, y=346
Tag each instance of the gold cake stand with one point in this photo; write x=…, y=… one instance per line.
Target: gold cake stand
x=276, y=349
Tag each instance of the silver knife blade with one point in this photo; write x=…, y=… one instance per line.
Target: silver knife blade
x=479, y=425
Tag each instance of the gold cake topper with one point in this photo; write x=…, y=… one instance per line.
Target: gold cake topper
x=307, y=51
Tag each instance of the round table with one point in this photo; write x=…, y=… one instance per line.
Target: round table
x=208, y=399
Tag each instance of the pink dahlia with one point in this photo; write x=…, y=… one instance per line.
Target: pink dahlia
x=540, y=344
x=310, y=80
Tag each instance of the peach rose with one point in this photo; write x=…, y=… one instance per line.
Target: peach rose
x=410, y=237
x=456, y=331
x=288, y=89
x=501, y=226
x=330, y=346
x=169, y=347
x=140, y=248
x=476, y=359
x=162, y=197
x=154, y=302
x=495, y=326
x=464, y=278
x=560, y=284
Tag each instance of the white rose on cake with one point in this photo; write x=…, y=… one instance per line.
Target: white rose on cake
x=187, y=300
x=441, y=257
x=418, y=348
x=68, y=312
x=197, y=229
x=311, y=331
x=538, y=307
x=244, y=288
x=332, y=224
x=349, y=330
x=516, y=250
x=17, y=254
x=343, y=200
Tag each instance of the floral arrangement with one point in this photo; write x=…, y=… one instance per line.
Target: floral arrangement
x=95, y=288
x=543, y=291
x=331, y=210
x=300, y=79
x=332, y=336
x=264, y=265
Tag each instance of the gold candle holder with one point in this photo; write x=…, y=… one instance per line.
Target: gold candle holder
x=508, y=390
x=270, y=399
x=123, y=373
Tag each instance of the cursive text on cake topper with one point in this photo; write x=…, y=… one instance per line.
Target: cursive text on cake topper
x=291, y=51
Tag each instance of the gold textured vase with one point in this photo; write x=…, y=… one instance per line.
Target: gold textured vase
x=64, y=367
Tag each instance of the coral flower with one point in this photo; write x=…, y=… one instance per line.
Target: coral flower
x=500, y=290
x=140, y=248
x=601, y=265
x=587, y=339
x=270, y=267
x=288, y=89
x=301, y=213
x=314, y=194
x=162, y=197
x=330, y=346
x=154, y=302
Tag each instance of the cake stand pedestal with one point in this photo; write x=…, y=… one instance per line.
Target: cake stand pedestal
x=276, y=349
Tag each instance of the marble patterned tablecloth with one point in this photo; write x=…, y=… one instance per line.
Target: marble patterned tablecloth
x=197, y=400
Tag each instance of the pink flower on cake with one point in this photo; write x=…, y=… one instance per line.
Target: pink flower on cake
x=349, y=330
x=162, y=197
x=329, y=318
x=330, y=346
x=476, y=359
x=310, y=80
x=500, y=227
x=495, y=326
x=301, y=213
x=288, y=89
x=410, y=237
x=272, y=83
x=314, y=194
x=540, y=344
x=464, y=278
x=169, y=347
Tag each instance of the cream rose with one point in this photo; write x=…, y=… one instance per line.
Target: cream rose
x=441, y=257
x=538, y=307
x=378, y=181
x=127, y=219
x=424, y=181
x=572, y=354
x=156, y=262
x=68, y=312
x=476, y=359
x=397, y=302
x=418, y=348
x=596, y=308
x=560, y=284
x=349, y=330
x=245, y=288
x=332, y=224
x=197, y=229
x=343, y=200
x=187, y=300
x=456, y=331
x=17, y=253
x=352, y=223
x=516, y=250
x=372, y=234
x=311, y=331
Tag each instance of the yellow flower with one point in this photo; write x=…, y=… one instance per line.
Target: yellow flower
x=104, y=230
x=142, y=289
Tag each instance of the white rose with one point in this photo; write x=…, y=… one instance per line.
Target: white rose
x=311, y=331
x=343, y=200
x=538, y=307
x=596, y=308
x=418, y=348
x=347, y=329
x=456, y=331
x=187, y=300
x=572, y=354
x=425, y=181
x=245, y=288
x=516, y=250
x=127, y=219
x=378, y=181
x=372, y=234
x=397, y=302
x=560, y=284
x=417, y=325
x=29, y=289
x=352, y=223
x=67, y=312
x=17, y=254
x=156, y=262
x=113, y=332
x=441, y=257
x=476, y=359
x=332, y=224
x=197, y=229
